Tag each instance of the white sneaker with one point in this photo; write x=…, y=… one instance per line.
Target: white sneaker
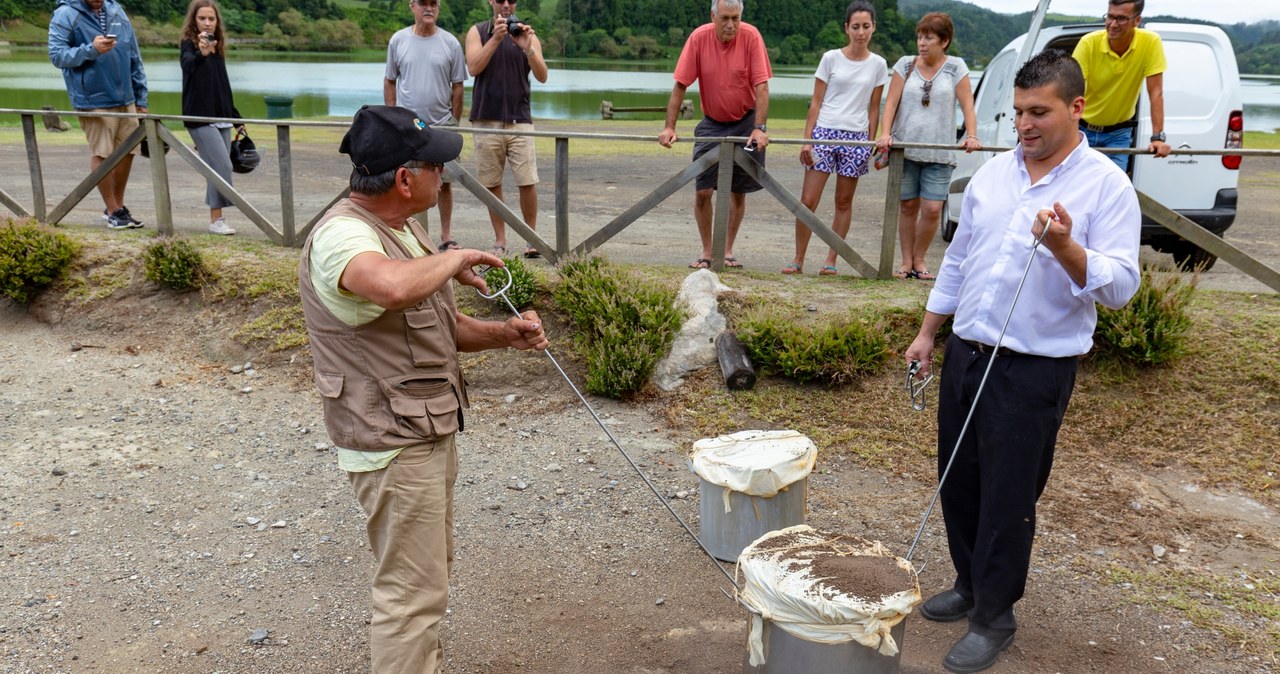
x=220, y=226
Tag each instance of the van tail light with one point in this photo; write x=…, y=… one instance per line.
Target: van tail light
x=1235, y=140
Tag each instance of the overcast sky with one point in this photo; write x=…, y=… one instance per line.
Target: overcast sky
x=1218, y=11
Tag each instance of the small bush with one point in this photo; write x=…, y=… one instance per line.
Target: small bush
x=623, y=325
x=1152, y=328
x=832, y=353
x=32, y=257
x=173, y=263
x=524, y=285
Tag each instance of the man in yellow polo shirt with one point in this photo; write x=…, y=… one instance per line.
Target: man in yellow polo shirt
x=1115, y=61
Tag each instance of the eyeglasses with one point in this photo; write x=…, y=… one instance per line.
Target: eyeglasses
x=505, y=2
x=1118, y=20
x=928, y=88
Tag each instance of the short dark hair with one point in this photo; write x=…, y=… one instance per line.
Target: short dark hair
x=938, y=23
x=1056, y=67
x=859, y=6
x=379, y=184
x=1138, y=5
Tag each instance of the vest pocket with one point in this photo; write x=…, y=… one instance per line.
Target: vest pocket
x=428, y=342
x=422, y=408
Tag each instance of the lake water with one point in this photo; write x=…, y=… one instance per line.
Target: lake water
x=573, y=90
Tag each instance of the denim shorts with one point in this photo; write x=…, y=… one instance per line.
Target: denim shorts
x=925, y=180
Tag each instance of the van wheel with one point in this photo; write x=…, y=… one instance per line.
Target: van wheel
x=948, y=225
x=1190, y=257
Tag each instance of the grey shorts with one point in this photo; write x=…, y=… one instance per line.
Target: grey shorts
x=742, y=183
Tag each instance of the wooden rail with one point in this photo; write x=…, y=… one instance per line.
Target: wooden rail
x=288, y=234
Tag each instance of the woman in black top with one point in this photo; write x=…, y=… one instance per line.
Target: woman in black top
x=206, y=92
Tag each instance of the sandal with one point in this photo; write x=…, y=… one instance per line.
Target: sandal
x=922, y=274
x=732, y=263
x=828, y=270
x=701, y=263
x=499, y=250
x=448, y=245
x=792, y=268
x=531, y=252
x=905, y=274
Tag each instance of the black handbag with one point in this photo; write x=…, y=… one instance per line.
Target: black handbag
x=144, y=148
x=244, y=154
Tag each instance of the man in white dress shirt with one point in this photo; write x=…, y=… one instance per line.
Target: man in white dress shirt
x=1090, y=254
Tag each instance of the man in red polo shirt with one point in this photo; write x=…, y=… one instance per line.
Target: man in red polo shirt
x=728, y=59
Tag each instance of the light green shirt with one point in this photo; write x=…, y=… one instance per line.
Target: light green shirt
x=332, y=248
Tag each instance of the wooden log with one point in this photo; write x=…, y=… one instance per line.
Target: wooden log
x=734, y=364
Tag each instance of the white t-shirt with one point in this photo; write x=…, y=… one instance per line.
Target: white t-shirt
x=849, y=87
x=424, y=70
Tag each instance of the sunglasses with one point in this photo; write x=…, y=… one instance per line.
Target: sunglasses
x=928, y=88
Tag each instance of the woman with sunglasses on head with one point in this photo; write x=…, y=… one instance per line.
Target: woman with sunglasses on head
x=845, y=106
x=921, y=109
x=206, y=92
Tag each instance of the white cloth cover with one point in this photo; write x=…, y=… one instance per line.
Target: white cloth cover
x=756, y=463
x=779, y=586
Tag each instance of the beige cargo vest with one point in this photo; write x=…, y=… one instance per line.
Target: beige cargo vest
x=394, y=381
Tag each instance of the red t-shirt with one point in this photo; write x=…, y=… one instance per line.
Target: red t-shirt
x=727, y=74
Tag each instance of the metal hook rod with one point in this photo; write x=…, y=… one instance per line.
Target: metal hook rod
x=503, y=294
x=978, y=394
x=916, y=388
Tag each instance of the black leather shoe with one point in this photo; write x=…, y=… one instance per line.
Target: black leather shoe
x=975, y=652
x=946, y=607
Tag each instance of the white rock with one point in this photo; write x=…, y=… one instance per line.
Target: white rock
x=1158, y=550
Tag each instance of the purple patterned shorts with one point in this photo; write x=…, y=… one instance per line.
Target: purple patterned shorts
x=845, y=160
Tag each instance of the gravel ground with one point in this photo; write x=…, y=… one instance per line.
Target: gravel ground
x=166, y=508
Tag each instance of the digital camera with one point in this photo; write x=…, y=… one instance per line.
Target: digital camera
x=515, y=26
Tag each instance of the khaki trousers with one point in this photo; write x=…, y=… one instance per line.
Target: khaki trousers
x=409, y=505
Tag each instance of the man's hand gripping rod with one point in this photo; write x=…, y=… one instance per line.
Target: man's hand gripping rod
x=502, y=292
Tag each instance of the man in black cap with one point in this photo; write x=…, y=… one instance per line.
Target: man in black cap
x=385, y=335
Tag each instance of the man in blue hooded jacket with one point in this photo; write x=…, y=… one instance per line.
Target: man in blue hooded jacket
x=93, y=42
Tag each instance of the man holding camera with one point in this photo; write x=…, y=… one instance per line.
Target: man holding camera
x=92, y=41
x=728, y=59
x=501, y=52
x=425, y=72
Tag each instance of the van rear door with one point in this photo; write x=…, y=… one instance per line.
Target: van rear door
x=1201, y=89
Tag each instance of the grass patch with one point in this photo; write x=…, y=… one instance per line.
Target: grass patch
x=1261, y=140
x=281, y=328
x=1242, y=607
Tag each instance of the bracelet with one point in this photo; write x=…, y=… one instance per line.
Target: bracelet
x=528, y=51
x=972, y=136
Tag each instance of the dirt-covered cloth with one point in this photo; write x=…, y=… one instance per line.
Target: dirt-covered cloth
x=825, y=587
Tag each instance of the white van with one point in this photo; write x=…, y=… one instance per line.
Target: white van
x=1202, y=110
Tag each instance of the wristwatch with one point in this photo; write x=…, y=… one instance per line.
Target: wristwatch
x=1158, y=137
x=762, y=128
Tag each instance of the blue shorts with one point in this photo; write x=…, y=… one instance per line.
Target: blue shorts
x=925, y=180
x=850, y=161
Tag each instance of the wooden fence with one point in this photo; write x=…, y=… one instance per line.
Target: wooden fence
x=287, y=232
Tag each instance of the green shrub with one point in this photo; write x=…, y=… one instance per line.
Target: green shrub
x=31, y=257
x=173, y=263
x=1152, y=328
x=623, y=325
x=524, y=285
x=832, y=353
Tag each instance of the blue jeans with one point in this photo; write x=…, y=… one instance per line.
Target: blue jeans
x=1120, y=138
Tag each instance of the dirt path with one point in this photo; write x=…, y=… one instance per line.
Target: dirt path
x=157, y=509
x=600, y=189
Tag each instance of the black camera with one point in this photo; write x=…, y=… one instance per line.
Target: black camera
x=515, y=26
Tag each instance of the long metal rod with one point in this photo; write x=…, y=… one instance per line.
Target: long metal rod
x=503, y=294
x=1031, y=259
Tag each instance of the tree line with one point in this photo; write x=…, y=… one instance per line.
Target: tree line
x=795, y=31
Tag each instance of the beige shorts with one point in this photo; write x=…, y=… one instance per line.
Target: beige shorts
x=106, y=133
x=494, y=150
